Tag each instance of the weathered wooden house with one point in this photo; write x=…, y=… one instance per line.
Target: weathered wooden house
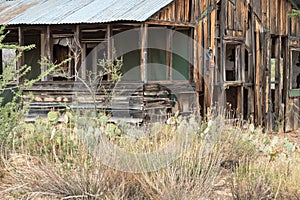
x=241, y=55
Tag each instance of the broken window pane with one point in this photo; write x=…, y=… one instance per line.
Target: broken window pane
x=157, y=55
x=295, y=69
x=126, y=47
x=180, y=56
x=233, y=62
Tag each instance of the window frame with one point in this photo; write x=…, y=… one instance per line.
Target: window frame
x=239, y=71
x=293, y=92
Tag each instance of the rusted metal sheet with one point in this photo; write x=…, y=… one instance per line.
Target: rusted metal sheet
x=76, y=11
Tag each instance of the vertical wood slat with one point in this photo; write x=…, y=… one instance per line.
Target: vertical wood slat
x=257, y=80
x=278, y=90
x=263, y=76
x=83, y=62
x=78, y=49
x=196, y=71
x=285, y=111
x=186, y=11
x=43, y=51
x=213, y=19
x=296, y=113
x=223, y=26
x=287, y=19
x=48, y=46
x=143, y=42
x=242, y=63
x=208, y=27
x=109, y=41
x=206, y=71
x=273, y=17
x=20, y=62
x=281, y=13
x=173, y=11
x=169, y=54
x=230, y=16
x=268, y=84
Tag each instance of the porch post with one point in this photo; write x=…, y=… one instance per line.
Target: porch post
x=78, y=52
x=48, y=46
x=143, y=42
x=109, y=42
x=21, y=58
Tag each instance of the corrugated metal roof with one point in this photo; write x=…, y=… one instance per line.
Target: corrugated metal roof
x=77, y=11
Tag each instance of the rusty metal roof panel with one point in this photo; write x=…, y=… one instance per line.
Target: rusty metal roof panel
x=77, y=11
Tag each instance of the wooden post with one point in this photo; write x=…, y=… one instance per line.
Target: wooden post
x=48, y=47
x=109, y=42
x=254, y=64
x=43, y=51
x=83, y=62
x=169, y=54
x=296, y=113
x=144, y=41
x=208, y=23
x=197, y=69
x=78, y=51
x=223, y=25
x=258, y=74
x=242, y=63
x=286, y=86
x=268, y=84
x=109, y=46
x=21, y=58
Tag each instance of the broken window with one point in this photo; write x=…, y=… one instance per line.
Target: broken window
x=126, y=48
x=95, y=48
x=157, y=54
x=62, y=50
x=295, y=63
x=168, y=54
x=233, y=68
x=180, y=54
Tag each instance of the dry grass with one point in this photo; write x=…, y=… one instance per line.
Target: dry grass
x=243, y=162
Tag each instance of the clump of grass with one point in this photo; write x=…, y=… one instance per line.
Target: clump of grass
x=59, y=164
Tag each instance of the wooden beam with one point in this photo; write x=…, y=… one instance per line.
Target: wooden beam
x=287, y=102
x=223, y=52
x=296, y=113
x=253, y=105
x=197, y=68
x=277, y=101
x=78, y=51
x=21, y=58
x=169, y=54
x=83, y=61
x=258, y=86
x=109, y=42
x=170, y=23
x=48, y=44
x=43, y=51
x=144, y=44
x=268, y=101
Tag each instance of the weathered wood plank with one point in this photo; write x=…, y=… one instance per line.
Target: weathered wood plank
x=296, y=113
x=143, y=39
